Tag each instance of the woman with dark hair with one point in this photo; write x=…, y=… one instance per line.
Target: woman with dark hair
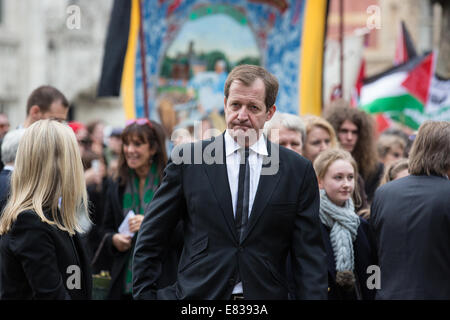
x=95, y=132
x=355, y=132
x=140, y=169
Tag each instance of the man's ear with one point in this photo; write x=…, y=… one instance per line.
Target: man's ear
x=271, y=112
x=35, y=112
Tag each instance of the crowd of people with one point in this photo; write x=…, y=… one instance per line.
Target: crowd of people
x=291, y=207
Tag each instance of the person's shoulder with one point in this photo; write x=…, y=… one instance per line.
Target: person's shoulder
x=5, y=175
x=363, y=224
x=192, y=152
x=27, y=218
x=364, y=233
x=287, y=155
x=436, y=187
x=27, y=225
x=438, y=180
x=395, y=185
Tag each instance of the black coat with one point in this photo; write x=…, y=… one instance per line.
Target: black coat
x=284, y=218
x=364, y=257
x=94, y=238
x=373, y=181
x=40, y=261
x=113, y=217
x=410, y=219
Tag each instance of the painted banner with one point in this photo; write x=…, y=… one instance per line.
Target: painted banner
x=191, y=45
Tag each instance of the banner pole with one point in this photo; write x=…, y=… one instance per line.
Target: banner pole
x=341, y=40
x=143, y=65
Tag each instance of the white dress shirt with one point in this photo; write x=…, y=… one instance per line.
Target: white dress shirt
x=257, y=152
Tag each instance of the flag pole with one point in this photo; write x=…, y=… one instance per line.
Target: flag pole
x=143, y=65
x=341, y=42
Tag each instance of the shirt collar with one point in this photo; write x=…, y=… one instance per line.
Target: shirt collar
x=231, y=145
x=9, y=168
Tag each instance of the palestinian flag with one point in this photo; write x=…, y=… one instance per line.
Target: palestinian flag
x=404, y=49
x=401, y=92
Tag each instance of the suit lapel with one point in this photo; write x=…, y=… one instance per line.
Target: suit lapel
x=266, y=185
x=218, y=178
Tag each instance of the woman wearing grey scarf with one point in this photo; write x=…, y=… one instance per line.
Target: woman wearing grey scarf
x=343, y=224
x=346, y=235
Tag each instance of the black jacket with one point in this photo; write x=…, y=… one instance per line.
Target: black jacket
x=284, y=218
x=94, y=238
x=410, y=219
x=40, y=261
x=364, y=257
x=113, y=217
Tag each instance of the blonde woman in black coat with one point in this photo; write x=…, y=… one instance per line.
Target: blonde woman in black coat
x=41, y=253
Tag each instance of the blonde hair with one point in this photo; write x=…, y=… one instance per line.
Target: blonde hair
x=386, y=142
x=327, y=157
x=391, y=171
x=312, y=122
x=48, y=167
x=285, y=120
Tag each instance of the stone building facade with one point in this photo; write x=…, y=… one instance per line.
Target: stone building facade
x=55, y=42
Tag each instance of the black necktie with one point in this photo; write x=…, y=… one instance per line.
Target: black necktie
x=243, y=193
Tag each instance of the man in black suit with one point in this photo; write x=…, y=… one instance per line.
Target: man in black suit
x=410, y=218
x=8, y=152
x=241, y=217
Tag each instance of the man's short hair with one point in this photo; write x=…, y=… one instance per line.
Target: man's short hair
x=288, y=121
x=430, y=151
x=44, y=96
x=10, y=144
x=247, y=74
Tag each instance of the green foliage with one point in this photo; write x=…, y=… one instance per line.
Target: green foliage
x=249, y=60
x=166, y=67
x=214, y=56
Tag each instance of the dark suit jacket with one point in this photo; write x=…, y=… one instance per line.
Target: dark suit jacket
x=410, y=218
x=113, y=217
x=1, y=162
x=37, y=259
x=5, y=178
x=284, y=218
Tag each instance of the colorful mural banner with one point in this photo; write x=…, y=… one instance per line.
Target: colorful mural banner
x=191, y=45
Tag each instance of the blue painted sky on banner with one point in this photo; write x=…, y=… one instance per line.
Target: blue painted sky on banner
x=278, y=36
x=212, y=33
